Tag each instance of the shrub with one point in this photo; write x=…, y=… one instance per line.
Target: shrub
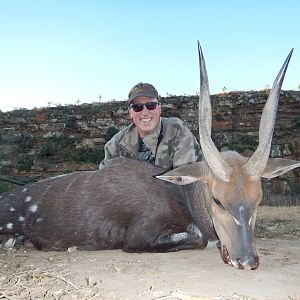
x=24, y=163
x=70, y=123
x=297, y=124
x=5, y=186
x=110, y=132
x=195, y=132
x=218, y=117
x=92, y=155
x=46, y=151
x=23, y=141
x=248, y=140
x=57, y=149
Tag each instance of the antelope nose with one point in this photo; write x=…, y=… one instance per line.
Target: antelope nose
x=249, y=262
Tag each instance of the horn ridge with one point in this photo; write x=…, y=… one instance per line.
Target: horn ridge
x=281, y=74
x=205, y=106
x=217, y=164
x=258, y=161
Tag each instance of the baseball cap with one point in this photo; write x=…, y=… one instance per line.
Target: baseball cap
x=142, y=90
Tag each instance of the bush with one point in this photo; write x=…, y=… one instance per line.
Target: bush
x=46, y=151
x=248, y=140
x=23, y=141
x=297, y=124
x=24, y=163
x=110, y=132
x=195, y=132
x=5, y=186
x=92, y=155
x=57, y=149
x=218, y=117
x=71, y=123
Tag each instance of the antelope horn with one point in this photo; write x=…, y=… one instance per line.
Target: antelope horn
x=217, y=164
x=258, y=161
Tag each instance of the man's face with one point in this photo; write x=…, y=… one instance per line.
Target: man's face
x=145, y=120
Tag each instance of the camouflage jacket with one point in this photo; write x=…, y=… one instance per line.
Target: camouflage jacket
x=178, y=146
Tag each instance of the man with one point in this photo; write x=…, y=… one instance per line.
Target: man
x=166, y=142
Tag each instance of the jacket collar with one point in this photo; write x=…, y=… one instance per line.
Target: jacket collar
x=130, y=140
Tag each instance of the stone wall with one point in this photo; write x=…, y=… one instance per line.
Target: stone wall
x=38, y=143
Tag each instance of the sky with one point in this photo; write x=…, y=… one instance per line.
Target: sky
x=63, y=52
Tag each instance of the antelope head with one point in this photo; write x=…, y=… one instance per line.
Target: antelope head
x=234, y=181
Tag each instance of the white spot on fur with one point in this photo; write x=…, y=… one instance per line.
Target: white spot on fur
x=1, y=228
x=250, y=221
x=21, y=219
x=9, y=243
x=25, y=190
x=236, y=221
x=28, y=199
x=33, y=208
x=241, y=208
x=179, y=237
x=212, y=244
x=39, y=220
x=193, y=229
x=12, y=209
x=9, y=225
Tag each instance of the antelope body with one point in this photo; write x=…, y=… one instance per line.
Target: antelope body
x=126, y=206
x=122, y=206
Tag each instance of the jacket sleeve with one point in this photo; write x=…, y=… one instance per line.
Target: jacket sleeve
x=111, y=150
x=186, y=148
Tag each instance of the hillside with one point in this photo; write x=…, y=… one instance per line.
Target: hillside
x=39, y=143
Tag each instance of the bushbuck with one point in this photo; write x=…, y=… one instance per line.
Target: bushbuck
x=136, y=206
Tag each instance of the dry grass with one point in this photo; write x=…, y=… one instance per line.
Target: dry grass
x=278, y=222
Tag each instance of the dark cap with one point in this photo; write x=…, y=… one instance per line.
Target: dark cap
x=142, y=90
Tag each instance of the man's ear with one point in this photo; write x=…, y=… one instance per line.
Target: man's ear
x=129, y=112
x=187, y=174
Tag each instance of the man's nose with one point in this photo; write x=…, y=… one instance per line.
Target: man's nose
x=145, y=109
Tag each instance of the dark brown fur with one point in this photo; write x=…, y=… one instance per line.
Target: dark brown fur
x=122, y=206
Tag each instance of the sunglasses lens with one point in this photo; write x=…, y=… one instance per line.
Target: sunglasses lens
x=140, y=107
x=137, y=107
x=151, y=105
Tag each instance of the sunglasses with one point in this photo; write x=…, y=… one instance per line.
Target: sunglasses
x=139, y=107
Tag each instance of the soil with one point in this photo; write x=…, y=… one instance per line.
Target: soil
x=186, y=275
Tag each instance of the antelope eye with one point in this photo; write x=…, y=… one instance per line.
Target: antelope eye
x=217, y=201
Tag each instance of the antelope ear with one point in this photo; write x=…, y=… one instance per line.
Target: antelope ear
x=278, y=166
x=187, y=174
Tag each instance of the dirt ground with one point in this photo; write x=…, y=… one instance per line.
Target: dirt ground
x=186, y=275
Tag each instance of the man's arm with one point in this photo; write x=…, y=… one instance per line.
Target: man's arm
x=111, y=150
x=186, y=148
